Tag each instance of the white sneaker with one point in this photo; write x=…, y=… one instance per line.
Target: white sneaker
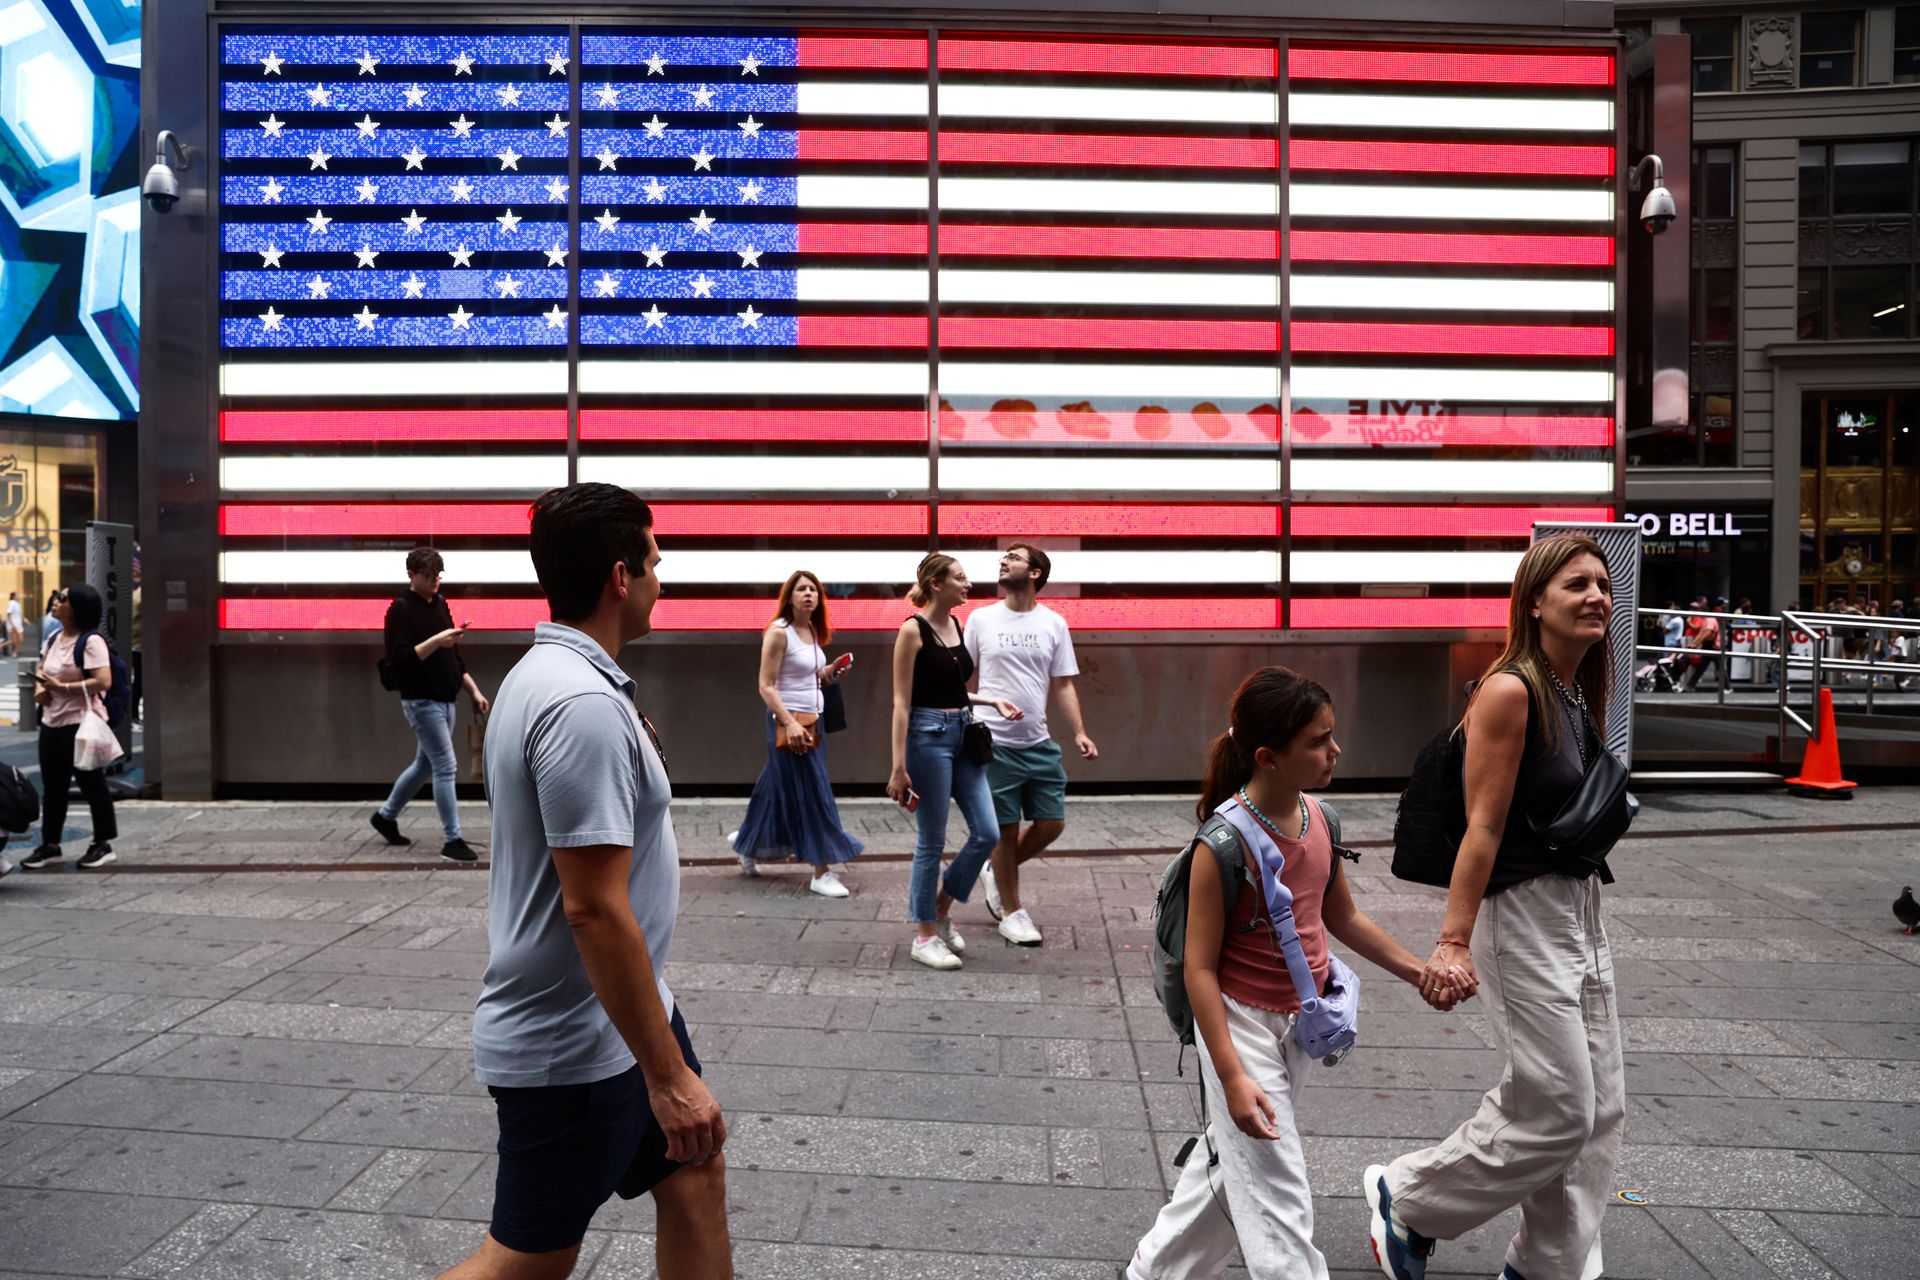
x=992, y=890
x=1020, y=930
x=748, y=867
x=828, y=886
x=934, y=954
x=955, y=942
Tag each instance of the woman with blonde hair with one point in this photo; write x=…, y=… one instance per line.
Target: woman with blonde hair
x=1525, y=922
x=937, y=755
x=792, y=813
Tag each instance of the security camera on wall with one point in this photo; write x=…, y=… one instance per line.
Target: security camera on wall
x=161, y=187
x=1657, y=211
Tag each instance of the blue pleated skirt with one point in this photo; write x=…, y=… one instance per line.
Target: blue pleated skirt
x=792, y=813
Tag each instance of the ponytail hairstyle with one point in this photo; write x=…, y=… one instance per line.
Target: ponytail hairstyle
x=932, y=571
x=1269, y=709
x=1523, y=652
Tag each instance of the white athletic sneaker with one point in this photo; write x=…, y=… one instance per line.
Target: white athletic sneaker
x=748, y=866
x=992, y=890
x=955, y=942
x=1020, y=930
x=934, y=954
x=829, y=886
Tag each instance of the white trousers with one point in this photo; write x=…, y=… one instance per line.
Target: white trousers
x=1547, y=1135
x=1257, y=1195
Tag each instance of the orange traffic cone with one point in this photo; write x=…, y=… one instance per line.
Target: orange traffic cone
x=1820, y=771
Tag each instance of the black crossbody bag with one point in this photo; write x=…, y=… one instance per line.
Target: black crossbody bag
x=976, y=739
x=1595, y=816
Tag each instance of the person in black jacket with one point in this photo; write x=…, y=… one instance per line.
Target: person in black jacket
x=424, y=665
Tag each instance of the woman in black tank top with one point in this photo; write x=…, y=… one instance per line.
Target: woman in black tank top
x=1518, y=921
x=931, y=711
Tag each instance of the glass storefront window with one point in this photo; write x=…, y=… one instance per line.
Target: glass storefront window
x=1870, y=302
x=49, y=490
x=1853, y=432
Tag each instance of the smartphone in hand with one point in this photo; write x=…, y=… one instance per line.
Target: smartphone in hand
x=843, y=664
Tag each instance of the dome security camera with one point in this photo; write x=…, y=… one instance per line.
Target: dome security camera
x=161, y=186
x=1657, y=211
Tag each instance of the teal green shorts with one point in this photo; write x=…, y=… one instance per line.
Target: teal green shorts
x=1029, y=782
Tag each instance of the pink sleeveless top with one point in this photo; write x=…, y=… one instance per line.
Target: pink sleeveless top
x=1252, y=970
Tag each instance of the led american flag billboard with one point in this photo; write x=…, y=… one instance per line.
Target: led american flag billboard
x=1250, y=335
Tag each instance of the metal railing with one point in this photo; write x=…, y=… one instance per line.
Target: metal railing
x=1815, y=631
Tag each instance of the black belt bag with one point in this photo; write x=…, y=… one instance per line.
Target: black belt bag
x=1593, y=818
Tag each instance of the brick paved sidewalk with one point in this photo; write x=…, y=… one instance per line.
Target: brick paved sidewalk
x=254, y=1070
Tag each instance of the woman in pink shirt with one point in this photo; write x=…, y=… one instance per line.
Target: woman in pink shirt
x=70, y=685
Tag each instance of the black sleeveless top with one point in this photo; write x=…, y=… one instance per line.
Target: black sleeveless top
x=940, y=670
x=1549, y=773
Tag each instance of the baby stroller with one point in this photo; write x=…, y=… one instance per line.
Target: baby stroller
x=1658, y=676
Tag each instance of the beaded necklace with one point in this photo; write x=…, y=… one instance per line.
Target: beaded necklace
x=1269, y=823
x=1576, y=700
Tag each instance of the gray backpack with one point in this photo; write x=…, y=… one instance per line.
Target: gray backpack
x=1170, y=906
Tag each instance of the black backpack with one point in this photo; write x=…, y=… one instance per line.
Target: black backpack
x=119, y=697
x=1432, y=818
x=1170, y=907
x=19, y=802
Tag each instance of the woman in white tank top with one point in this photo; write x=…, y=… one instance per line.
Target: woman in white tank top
x=792, y=813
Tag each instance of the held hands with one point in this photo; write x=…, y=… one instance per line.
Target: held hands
x=1251, y=1109
x=690, y=1118
x=1448, y=978
x=1087, y=750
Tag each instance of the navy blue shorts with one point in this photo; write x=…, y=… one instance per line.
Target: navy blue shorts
x=565, y=1148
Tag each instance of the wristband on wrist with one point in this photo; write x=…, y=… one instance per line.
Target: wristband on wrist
x=1453, y=942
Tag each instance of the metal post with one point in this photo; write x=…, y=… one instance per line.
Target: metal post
x=1783, y=669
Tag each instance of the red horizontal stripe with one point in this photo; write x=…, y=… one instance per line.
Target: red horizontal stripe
x=424, y=522
x=1449, y=247
x=1106, y=520
x=1320, y=614
x=1434, y=522
x=1322, y=154
x=868, y=426
x=1153, y=425
x=1449, y=339
x=863, y=144
x=903, y=52
x=1246, y=244
x=1131, y=150
x=1422, y=430
x=863, y=237
x=863, y=331
x=750, y=615
x=1451, y=65
x=1107, y=57
x=1067, y=332
x=389, y=425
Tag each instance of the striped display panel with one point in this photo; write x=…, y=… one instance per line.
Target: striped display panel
x=1451, y=219
x=395, y=241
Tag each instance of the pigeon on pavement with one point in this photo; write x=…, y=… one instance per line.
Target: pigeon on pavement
x=1906, y=910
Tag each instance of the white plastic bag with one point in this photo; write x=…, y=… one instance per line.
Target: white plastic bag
x=94, y=746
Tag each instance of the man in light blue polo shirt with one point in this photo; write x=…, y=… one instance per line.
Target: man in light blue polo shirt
x=576, y=1034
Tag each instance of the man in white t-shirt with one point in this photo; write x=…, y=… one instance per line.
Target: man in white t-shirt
x=16, y=624
x=1024, y=653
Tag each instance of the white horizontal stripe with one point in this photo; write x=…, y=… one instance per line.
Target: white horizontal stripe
x=1513, y=386
x=1259, y=568
x=339, y=568
x=1094, y=474
x=830, y=99
x=1159, y=106
x=1095, y=195
x=381, y=380
x=851, y=191
x=1124, y=288
x=671, y=473
x=1403, y=566
x=1505, y=204
x=1431, y=293
x=1395, y=111
x=814, y=284
x=1083, y=381
x=752, y=377
x=1447, y=477
x=314, y=474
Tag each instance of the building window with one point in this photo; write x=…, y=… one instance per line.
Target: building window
x=1858, y=202
x=1714, y=350
x=1829, y=50
x=1713, y=41
x=1906, y=43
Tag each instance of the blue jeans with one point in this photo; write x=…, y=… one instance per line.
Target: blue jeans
x=433, y=725
x=940, y=769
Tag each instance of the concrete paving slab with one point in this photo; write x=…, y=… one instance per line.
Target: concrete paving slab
x=60, y=1231
x=250, y=1110
x=427, y=1121
x=198, y=1167
x=304, y=1062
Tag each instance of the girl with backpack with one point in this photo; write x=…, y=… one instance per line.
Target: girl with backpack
x=1527, y=922
x=72, y=685
x=1278, y=746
